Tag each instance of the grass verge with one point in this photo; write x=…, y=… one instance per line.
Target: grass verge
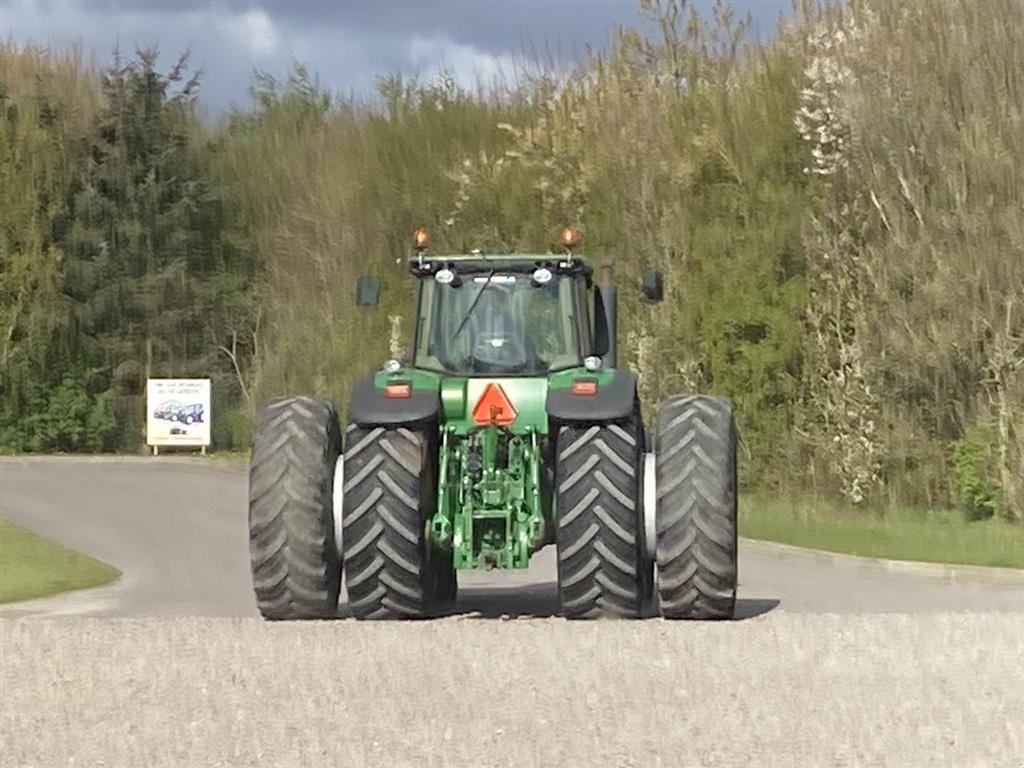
x=238, y=457
x=895, y=534
x=31, y=566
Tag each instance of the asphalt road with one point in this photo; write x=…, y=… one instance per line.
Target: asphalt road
x=176, y=528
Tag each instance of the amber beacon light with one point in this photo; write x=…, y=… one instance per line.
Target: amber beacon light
x=420, y=240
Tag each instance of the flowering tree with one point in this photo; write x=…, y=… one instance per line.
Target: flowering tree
x=841, y=420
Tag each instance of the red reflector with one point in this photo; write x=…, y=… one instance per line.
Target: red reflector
x=493, y=400
x=584, y=387
x=397, y=389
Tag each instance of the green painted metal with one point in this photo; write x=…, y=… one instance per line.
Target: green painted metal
x=489, y=511
x=453, y=398
x=417, y=378
x=564, y=379
x=527, y=396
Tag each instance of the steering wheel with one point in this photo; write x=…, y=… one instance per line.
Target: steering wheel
x=500, y=351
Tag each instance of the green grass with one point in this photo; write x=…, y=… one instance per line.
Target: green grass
x=896, y=534
x=230, y=456
x=31, y=566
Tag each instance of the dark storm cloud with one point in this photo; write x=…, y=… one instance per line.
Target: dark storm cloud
x=495, y=26
x=346, y=43
x=489, y=24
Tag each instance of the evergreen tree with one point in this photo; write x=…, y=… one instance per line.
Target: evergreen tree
x=142, y=241
x=49, y=400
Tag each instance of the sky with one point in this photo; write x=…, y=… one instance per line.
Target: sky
x=346, y=43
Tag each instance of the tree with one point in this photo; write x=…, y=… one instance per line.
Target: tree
x=142, y=237
x=47, y=100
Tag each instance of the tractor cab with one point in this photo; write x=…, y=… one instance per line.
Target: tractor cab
x=507, y=316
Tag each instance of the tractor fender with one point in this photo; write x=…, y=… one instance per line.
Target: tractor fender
x=614, y=400
x=368, y=407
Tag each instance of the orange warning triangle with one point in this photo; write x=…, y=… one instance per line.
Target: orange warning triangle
x=494, y=401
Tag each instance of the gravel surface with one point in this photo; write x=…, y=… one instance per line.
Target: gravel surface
x=779, y=690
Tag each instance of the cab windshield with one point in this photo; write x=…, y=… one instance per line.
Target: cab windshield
x=496, y=323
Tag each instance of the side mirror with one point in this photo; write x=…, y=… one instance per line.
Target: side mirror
x=652, y=286
x=367, y=291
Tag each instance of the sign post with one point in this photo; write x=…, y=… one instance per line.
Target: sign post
x=178, y=413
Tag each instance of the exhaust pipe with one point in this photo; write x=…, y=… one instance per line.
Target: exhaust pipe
x=609, y=298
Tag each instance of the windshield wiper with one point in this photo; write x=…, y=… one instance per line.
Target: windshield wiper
x=476, y=300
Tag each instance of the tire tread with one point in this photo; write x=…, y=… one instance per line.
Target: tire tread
x=296, y=569
x=601, y=565
x=695, y=459
x=386, y=498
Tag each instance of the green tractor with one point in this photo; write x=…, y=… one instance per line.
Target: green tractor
x=506, y=429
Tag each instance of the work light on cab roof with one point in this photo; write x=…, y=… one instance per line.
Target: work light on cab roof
x=447, y=276
x=503, y=427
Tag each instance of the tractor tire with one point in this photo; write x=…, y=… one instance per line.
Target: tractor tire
x=296, y=568
x=695, y=471
x=391, y=571
x=603, y=570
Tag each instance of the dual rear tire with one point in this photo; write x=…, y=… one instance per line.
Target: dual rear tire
x=604, y=568
x=391, y=571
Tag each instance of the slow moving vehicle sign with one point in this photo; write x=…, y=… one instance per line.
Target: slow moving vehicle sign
x=178, y=412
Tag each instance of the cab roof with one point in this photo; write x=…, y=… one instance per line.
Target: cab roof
x=426, y=265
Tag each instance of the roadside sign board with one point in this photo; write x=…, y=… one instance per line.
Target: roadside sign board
x=178, y=412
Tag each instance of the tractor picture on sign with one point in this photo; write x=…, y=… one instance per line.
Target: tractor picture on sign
x=177, y=413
